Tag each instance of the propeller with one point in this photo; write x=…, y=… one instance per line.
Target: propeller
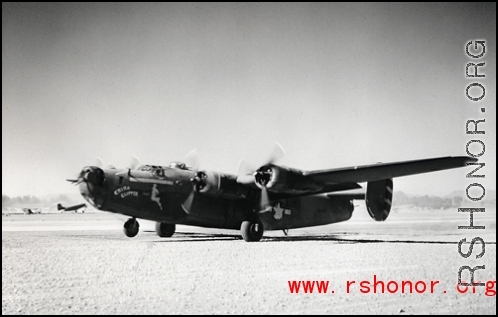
x=192, y=159
x=264, y=200
x=90, y=174
x=98, y=162
x=277, y=153
x=246, y=174
x=133, y=164
x=245, y=169
x=80, y=178
x=199, y=179
x=77, y=180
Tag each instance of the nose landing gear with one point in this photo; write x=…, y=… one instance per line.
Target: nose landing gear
x=131, y=227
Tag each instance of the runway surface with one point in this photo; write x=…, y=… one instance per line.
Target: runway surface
x=83, y=264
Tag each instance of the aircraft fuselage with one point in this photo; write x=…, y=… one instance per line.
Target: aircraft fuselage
x=161, y=194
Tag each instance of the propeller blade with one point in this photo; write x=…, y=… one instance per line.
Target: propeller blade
x=276, y=154
x=265, y=200
x=98, y=162
x=76, y=181
x=192, y=159
x=187, y=204
x=134, y=163
x=245, y=173
x=243, y=169
x=126, y=174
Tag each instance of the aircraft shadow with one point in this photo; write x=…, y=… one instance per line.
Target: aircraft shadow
x=199, y=237
x=337, y=238
x=342, y=240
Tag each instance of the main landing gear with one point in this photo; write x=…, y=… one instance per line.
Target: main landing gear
x=131, y=227
x=252, y=230
x=165, y=230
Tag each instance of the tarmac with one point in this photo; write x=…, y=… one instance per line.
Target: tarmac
x=75, y=263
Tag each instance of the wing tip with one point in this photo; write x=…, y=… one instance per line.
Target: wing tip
x=466, y=159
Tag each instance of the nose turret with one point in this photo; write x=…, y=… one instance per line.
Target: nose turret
x=91, y=183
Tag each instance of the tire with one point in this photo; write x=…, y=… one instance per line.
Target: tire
x=165, y=230
x=131, y=228
x=252, y=231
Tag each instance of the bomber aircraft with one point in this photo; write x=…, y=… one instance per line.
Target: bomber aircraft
x=270, y=197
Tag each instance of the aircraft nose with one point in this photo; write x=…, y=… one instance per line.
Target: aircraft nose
x=93, y=175
x=91, y=185
x=84, y=189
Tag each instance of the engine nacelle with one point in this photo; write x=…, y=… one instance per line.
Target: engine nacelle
x=218, y=184
x=379, y=199
x=284, y=180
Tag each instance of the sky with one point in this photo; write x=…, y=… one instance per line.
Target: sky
x=334, y=84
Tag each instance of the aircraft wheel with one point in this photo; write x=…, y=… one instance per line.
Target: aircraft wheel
x=165, y=230
x=252, y=231
x=131, y=228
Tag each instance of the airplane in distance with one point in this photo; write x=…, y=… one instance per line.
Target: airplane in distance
x=71, y=208
x=270, y=197
x=31, y=211
x=39, y=208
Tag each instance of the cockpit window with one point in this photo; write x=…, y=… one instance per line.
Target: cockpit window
x=158, y=172
x=152, y=168
x=178, y=165
x=145, y=168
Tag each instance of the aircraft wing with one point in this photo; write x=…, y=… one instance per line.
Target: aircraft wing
x=379, y=171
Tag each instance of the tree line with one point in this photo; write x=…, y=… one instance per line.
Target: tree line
x=8, y=201
x=436, y=202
